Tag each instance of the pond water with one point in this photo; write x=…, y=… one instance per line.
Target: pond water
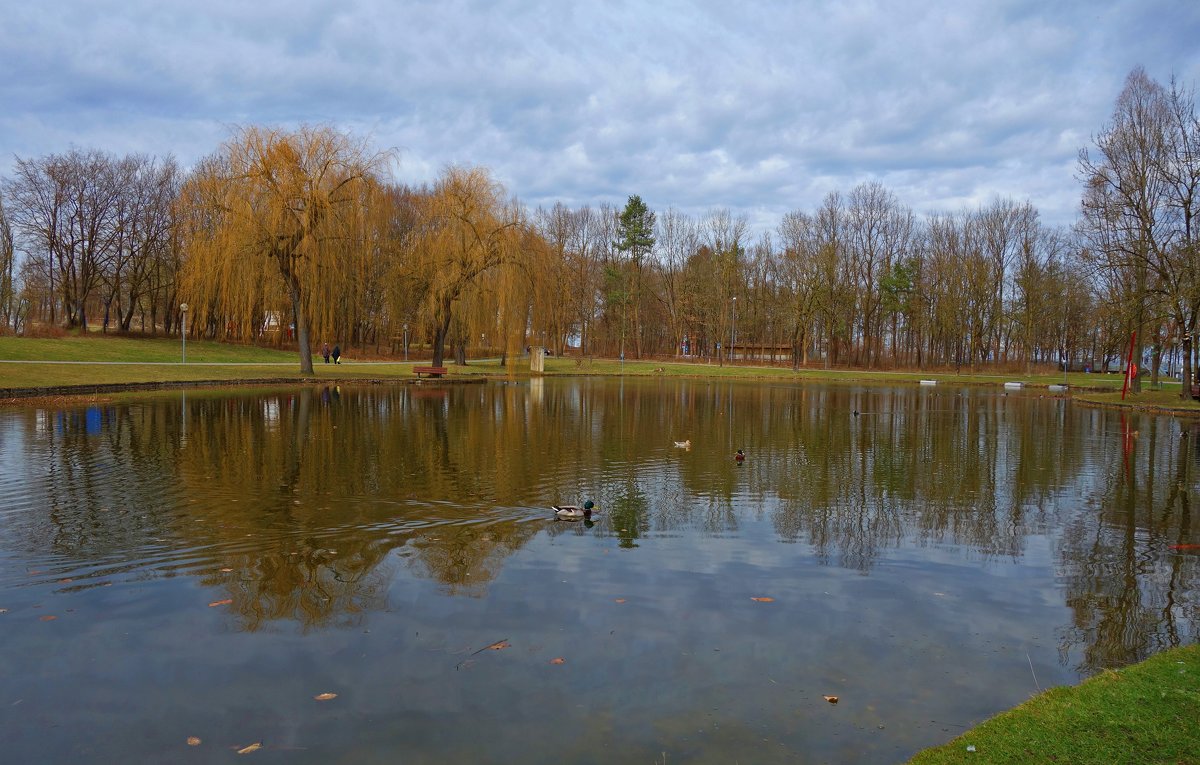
x=207, y=564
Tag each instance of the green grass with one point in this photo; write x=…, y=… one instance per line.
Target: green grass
x=1164, y=399
x=1145, y=713
x=121, y=360
x=115, y=348
x=748, y=370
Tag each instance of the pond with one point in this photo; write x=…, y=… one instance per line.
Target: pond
x=373, y=574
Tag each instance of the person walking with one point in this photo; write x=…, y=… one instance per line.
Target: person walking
x=325, y=352
x=337, y=355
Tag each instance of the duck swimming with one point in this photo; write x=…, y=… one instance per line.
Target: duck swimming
x=684, y=444
x=573, y=512
x=740, y=456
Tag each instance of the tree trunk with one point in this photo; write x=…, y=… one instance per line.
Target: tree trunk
x=440, y=332
x=1185, y=386
x=306, y=365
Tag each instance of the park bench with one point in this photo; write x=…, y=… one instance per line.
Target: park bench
x=431, y=371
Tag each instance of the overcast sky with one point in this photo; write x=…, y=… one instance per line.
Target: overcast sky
x=759, y=107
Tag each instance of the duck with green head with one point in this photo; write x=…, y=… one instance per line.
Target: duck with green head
x=573, y=512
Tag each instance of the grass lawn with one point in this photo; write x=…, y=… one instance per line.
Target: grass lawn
x=1145, y=713
x=115, y=359
x=1165, y=399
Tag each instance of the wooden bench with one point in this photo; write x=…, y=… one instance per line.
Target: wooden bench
x=431, y=371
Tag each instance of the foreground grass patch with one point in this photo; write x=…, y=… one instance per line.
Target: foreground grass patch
x=1164, y=399
x=1146, y=713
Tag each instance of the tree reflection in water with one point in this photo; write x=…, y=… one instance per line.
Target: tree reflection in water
x=317, y=498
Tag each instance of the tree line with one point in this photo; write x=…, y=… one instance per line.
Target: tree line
x=300, y=236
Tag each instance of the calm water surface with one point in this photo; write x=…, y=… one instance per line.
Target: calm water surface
x=206, y=564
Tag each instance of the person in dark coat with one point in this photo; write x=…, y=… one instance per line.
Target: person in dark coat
x=325, y=352
x=337, y=354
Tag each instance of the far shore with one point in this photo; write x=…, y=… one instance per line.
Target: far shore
x=37, y=370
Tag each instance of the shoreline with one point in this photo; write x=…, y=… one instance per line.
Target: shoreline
x=1089, y=396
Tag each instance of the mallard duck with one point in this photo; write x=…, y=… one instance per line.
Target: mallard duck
x=684, y=444
x=573, y=512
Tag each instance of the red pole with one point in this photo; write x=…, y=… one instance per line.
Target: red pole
x=1129, y=366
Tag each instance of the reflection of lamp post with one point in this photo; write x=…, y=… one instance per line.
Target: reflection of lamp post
x=733, y=342
x=183, y=334
x=406, y=342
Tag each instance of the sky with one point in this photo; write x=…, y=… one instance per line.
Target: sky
x=759, y=108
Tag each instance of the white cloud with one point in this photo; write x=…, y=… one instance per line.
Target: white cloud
x=758, y=108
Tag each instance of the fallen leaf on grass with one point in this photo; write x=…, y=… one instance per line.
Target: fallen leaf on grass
x=225, y=602
x=831, y=699
x=193, y=741
x=559, y=660
x=763, y=600
x=325, y=696
x=252, y=748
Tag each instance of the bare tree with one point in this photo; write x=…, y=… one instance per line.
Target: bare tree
x=7, y=263
x=1125, y=197
x=64, y=208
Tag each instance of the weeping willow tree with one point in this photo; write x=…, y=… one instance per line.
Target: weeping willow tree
x=272, y=218
x=466, y=231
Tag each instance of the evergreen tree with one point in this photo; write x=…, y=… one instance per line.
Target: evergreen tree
x=635, y=229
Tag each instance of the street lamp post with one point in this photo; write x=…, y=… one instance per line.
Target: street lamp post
x=406, y=342
x=733, y=340
x=183, y=324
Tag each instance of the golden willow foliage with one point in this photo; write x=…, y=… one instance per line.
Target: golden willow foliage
x=273, y=224
x=465, y=230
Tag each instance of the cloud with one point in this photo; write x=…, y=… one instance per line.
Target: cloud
x=760, y=108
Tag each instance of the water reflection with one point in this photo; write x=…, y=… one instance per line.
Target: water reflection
x=316, y=509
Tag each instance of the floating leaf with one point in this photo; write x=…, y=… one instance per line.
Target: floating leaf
x=498, y=645
x=226, y=570
x=47, y=618
x=325, y=696
x=252, y=748
x=559, y=660
x=831, y=699
x=763, y=600
x=225, y=602
x=193, y=741
x=619, y=600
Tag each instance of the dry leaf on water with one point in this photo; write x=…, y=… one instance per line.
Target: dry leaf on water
x=499, y=644
x=763, y=600
x=325, y=696
x=47, y=618
x=226, y=570
x=619, y=600
x=559, y=660
x=831, y=699
x=193, y=741
x=225, y=602
x=252, y=748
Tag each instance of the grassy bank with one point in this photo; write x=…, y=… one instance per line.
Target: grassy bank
x=116, y=360
x=1146, y=713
